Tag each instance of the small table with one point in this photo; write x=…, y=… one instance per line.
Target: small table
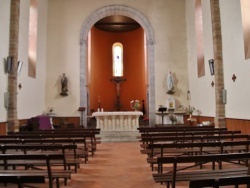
x=118, y=121
x=178, y=114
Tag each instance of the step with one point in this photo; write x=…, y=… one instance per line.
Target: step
x=119, y=136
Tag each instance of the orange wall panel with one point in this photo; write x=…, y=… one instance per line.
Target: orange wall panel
x=100, y=84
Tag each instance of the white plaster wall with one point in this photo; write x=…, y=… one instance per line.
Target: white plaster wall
x=167, y=18
x=238, y=92
x=202, y=93
x=4, y=51
x=31, y=98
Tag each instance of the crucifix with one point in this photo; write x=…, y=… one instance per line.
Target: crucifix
x=118, y=81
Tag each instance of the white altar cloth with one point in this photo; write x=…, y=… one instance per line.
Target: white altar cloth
x=117, y=121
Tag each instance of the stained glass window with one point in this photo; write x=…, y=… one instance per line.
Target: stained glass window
x=117, y=50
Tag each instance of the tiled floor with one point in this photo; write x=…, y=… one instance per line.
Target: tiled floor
x=115, y=165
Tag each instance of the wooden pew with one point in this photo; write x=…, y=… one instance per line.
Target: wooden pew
x=177, y=173
x=91, y=146
x=35, y=159
x=81, y=150
x=178, y=149
x=146, y=130
x=69, y=151
x=197, y=148
x=21, y=179
x=145, y=137
x=224, y=181
x=212, y=138
x=92, y=130
x=192, y=133
x=90, y=136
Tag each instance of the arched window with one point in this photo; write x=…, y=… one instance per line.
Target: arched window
x=117, y=50
x=199, y=39
x=245, y=12
x=32, y=38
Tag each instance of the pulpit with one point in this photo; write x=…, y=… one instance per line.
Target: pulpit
x=81, y=110
x=117, y=121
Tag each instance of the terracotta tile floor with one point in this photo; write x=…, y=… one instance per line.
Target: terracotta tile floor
x=115, y=165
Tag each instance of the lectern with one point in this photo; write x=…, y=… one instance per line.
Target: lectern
x=81, y=110
x=162, y=110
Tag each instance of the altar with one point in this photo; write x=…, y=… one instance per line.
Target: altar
x=117, y=121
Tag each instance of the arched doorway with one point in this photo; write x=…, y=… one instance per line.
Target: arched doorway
x=142, y=20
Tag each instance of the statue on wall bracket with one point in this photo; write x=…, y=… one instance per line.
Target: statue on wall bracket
x=170, y=83
x=64, y=85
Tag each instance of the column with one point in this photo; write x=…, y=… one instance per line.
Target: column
x=12, y=121
x=218, y=63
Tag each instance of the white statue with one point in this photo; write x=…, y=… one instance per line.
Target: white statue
x=170, y=83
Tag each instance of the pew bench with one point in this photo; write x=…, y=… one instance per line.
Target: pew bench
x=190, y=133
x=24, y=160
x=191, y=173
x=69, y=151
x=191, y=139
x=82, y=131
x=147, y=130
x=81, y=150
x=224, y=181
x=91, y=140
x=146, y=138
x=179, y=149
x=21, y=179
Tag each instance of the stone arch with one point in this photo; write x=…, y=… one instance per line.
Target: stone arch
x=150, y=41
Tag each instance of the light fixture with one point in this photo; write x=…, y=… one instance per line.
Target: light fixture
x=19, y=67
x=211, y=66
x=8, y=64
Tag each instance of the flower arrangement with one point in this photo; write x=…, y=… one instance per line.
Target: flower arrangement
x=190, y=109
x=135, y=104
x=173, y=118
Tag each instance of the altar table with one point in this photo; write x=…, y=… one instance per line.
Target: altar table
x=117, y=121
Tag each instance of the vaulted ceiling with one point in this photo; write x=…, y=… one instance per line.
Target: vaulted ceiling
x=117, y=23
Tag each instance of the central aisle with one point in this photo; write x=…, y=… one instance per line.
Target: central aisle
x=115, y=165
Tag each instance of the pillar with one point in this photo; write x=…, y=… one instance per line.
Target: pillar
x=218, y=63
x=12, y=121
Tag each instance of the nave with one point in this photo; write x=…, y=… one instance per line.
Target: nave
x=115, y=165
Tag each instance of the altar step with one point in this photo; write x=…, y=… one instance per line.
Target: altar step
x=119, y=136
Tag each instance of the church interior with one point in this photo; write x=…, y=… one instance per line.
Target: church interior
x=116, y=66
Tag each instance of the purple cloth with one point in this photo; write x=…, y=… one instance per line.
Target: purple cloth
x=44, y=122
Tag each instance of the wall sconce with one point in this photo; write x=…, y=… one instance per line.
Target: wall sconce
x=19, y=67
x=8, y=64
x=211, y=66
x=188, y=95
